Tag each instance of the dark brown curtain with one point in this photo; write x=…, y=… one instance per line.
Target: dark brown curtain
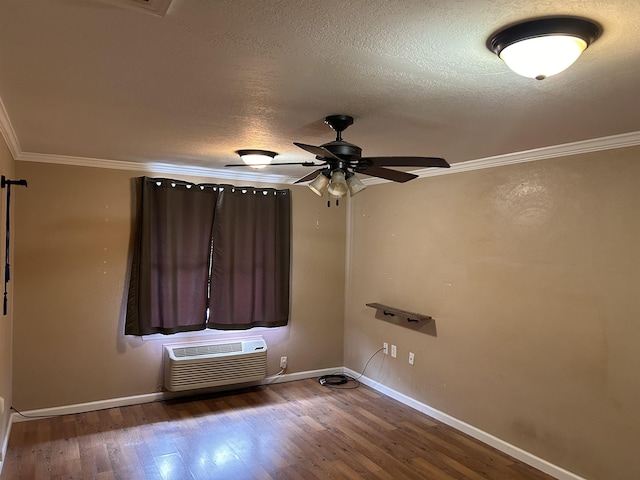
x=208, y=256
x=168, y=290
x=251, y=259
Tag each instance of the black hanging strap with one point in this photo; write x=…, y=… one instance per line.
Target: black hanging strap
x=7, y=268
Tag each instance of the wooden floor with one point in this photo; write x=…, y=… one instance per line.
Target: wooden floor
x=297, y=430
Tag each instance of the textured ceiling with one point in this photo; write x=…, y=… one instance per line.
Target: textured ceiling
x=96, y=79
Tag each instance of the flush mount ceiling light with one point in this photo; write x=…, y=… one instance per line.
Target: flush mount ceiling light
x=541, y=48
x=256, y=158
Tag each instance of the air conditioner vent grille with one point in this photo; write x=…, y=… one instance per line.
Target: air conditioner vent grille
x=202, y=350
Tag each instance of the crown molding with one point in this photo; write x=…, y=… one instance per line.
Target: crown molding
x=567, y=149
x=9, y=134
x=155, y=168
x=563, y=150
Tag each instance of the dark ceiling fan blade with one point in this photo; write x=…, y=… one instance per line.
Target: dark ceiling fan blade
x=304, y=164
x=311, y=176
x=405, y=162
x=388, y=174
x=317, y=151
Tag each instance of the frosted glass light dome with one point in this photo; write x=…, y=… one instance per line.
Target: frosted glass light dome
x=256, y=158
x=320, y=184
x=355, y=185
x=338, y=185
x=542, y=57
x=544, y=47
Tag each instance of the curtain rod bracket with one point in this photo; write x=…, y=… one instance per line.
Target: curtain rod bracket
x=5, y=181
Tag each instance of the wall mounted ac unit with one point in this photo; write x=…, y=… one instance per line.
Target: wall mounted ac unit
x=189, y=366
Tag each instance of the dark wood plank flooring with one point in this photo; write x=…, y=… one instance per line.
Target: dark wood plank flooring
x=297, y=430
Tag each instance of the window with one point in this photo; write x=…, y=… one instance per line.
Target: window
x=208, y=256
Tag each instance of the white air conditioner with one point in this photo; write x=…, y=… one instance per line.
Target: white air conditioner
x=189, y=366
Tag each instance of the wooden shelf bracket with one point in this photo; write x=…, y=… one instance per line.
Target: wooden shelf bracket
x=392, y=311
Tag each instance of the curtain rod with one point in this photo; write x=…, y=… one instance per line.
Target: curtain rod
x=4, y=182
x=221, y=186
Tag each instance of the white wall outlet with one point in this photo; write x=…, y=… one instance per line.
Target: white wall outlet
x=283, y=362
x=394, y=351
x=411, y=358
x=385, y=348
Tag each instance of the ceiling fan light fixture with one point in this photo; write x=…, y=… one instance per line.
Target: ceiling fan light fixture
x=338, y=185
x=320, y=184
x=256, y=158
x=354, y=184
x=544, y=47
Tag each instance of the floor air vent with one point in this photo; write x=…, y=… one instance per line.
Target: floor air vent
x=198, y=365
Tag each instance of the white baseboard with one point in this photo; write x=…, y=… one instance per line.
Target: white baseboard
x=89, y=406
x=505, y=447
x=290, y=377
x=154, y=397
x=5, y=443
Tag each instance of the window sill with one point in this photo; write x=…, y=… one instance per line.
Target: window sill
x=198, y=334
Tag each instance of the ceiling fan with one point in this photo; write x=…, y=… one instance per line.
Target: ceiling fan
x=341, y=160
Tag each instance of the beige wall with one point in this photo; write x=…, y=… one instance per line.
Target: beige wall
x=532, y=273
x=73, y=232
x=7, y=168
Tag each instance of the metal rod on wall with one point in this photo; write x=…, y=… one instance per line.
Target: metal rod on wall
x=4, y=182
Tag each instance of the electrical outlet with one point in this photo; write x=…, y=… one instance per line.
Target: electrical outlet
x=385, y=348
x=411, y=358
x=394, y=351
x=283, y=362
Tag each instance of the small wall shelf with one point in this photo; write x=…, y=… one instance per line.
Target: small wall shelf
x=392, y=311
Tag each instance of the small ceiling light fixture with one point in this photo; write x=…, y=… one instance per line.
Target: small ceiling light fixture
x=256, y=158
x=338, y=185
x=320, y=184
x=354, y=184
x=543, y=47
